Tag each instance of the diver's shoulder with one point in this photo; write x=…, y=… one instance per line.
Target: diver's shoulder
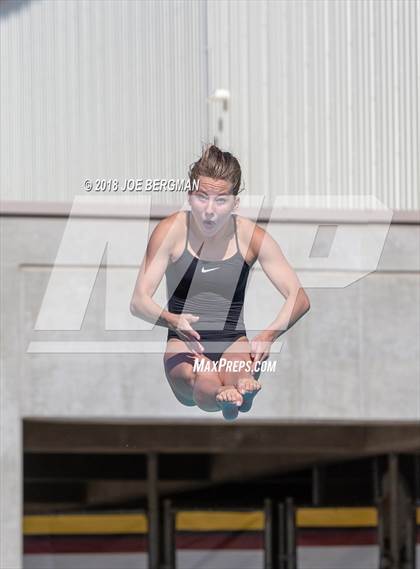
x=248, y=227
x=174, y=222
x=169, y=229
x=251, y=234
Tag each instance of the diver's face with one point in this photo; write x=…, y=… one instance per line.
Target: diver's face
x=212, y=204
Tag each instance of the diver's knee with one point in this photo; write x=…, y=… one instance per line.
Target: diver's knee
x=204, y=400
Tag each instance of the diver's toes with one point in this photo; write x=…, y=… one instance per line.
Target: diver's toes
x=229, y=395
x=248, y=385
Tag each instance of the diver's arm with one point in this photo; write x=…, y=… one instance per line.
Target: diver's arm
x=150, y=275
x=296, y=305
x=284, y=278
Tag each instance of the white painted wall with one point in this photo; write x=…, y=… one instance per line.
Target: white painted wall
x=94, y=89
x=324, y=95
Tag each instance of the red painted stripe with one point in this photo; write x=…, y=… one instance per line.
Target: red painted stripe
x=196, y=540
x=130, y=544
x=89, y=544
x=312, y=537
x=220, y=540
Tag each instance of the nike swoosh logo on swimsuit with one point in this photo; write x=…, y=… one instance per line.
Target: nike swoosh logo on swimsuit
x=203, y=270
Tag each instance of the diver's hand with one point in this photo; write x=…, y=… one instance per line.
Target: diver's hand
x=260, y=348
x=182, y=326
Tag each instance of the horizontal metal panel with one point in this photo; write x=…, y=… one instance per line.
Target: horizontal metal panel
x=324, y=96
x=99, y=90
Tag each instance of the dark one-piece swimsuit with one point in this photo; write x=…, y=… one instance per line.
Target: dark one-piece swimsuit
x=212, y=290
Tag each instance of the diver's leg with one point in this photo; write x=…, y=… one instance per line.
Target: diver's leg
x=201, y=388
x=239, y=373
x=178, y=363
x=211, y=395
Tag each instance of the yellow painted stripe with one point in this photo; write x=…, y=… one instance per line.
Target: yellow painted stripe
x=196, y=521
x=336, y=517
x=220, y=521
x=85, y=524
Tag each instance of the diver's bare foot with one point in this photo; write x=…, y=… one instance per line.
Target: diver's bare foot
x=248, y=388
x=229, y=399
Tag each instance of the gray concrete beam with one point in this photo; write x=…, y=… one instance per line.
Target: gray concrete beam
x=325, y=440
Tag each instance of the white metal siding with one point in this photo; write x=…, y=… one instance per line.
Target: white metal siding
x=109, y=89
x=324, y=94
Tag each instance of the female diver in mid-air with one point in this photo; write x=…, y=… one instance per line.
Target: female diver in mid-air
x=206, y=255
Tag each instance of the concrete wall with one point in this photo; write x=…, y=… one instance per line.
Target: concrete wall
x=353, y=357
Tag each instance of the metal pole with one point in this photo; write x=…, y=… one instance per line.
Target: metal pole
x=381, y=530
x=153, y=510
x=376, y=481
x=290, y=534
x=393, y=511
x=411, y=537
x=281, y=536
x=317, y=485
x=169, y=535
x=417, y=478
x=268, y=534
